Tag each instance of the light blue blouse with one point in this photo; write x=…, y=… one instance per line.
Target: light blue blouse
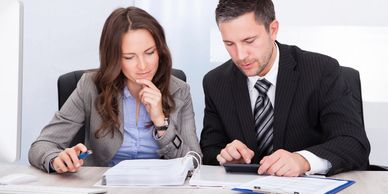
x=139, y=142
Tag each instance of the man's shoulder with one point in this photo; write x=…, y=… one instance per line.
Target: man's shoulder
x=221, y=72
x=303, y=57
x=308, y=62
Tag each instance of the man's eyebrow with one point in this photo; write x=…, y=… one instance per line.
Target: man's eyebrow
x=251, y=37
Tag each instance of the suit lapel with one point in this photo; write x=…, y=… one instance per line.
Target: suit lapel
x=287, y=81
x=243, y=107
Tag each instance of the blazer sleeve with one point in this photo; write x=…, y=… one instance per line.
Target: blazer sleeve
x=57, y=135
x=181, y=136
x=213, y=136
x=345, y=143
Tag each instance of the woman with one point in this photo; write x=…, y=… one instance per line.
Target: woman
x=131, y=107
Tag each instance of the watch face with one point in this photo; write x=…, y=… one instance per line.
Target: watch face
x=163, y=128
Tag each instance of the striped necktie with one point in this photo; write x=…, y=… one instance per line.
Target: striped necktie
x=263, y=115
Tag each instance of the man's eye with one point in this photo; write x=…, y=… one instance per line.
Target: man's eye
x=249, y=41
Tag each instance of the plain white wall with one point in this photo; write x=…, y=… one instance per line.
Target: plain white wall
x=62, y=36
x=59, y=37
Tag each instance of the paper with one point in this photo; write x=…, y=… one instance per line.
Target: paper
x=295, y=185
x=149, y=172
x=216, y=176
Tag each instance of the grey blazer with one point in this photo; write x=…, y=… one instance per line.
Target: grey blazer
x=80, y=110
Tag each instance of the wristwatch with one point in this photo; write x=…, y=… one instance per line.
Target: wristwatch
x=164, y=126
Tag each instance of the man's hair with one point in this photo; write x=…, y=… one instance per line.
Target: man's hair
x=230, y=9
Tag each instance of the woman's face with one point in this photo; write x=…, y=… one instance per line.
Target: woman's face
x=139, y=57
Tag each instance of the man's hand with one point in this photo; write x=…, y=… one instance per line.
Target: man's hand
x=284, y=163
x=68, y=160
x=235, y=152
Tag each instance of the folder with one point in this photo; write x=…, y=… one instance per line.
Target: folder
x=294, y=185
x=152, y=172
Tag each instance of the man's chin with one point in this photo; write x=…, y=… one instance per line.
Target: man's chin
x=249, y=73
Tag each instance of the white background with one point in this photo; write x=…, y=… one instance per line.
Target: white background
x=63, y=35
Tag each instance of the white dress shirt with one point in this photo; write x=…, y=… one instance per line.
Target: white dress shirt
x=317, y=164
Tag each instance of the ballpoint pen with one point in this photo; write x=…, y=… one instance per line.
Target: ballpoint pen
x=85, y=154
x=259, y=189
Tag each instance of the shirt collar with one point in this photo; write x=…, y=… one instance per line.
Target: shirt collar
x=127, y=93
x=271, y=76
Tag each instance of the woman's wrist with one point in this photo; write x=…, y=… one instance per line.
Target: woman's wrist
x=160, y=134
x=159, y=121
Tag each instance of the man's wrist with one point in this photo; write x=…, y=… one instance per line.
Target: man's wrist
x=305, y=163
x=317, y=164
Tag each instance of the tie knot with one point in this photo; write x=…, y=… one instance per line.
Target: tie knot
x=262, y=85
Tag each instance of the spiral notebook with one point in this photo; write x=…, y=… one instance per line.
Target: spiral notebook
x=152, y=172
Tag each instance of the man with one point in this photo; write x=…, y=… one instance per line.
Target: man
x=285, y=108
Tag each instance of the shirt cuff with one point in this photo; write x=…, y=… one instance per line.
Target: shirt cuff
x=317, y=165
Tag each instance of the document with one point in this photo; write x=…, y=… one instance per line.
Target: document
x=216, y=176
x=294, y=185
x=150, y=172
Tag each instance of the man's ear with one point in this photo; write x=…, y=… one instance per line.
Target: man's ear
x=273, y=29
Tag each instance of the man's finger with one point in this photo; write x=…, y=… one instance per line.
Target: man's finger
x=220, y=159
x=226, y=155
x=246, y=154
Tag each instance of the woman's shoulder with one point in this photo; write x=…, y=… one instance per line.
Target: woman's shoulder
x=178, y=87
x=87, y=81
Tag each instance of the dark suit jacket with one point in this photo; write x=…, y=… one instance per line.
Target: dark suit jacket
x=313, y=111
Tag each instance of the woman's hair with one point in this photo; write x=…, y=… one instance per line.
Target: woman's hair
x=109, y=79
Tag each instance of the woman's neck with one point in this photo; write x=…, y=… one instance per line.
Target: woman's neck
x=134, y=89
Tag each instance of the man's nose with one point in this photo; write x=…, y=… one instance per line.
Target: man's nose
x=242, y=53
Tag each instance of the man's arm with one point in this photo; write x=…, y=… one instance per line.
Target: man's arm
x=345, y=144
x=213, y=136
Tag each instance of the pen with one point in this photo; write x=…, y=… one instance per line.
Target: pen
x=262, y=190
x=85, y=154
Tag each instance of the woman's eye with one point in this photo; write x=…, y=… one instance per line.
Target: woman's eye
x=150, y=53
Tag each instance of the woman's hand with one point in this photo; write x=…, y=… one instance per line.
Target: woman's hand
x=67, y=160
x=151, y=97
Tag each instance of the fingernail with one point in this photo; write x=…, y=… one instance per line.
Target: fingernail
x=77, y=165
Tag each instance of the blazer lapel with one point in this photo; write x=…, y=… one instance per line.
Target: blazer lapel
x=243, y=107
x=287, y=81
x=121, y=113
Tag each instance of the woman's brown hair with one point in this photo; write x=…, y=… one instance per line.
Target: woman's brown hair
x=110, y=80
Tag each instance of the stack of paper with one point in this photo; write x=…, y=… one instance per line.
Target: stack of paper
x=149, y=172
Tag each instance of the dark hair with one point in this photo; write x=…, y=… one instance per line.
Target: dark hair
x=109, y=79
x=230, y=9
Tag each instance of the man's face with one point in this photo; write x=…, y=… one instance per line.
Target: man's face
x=249, y=44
